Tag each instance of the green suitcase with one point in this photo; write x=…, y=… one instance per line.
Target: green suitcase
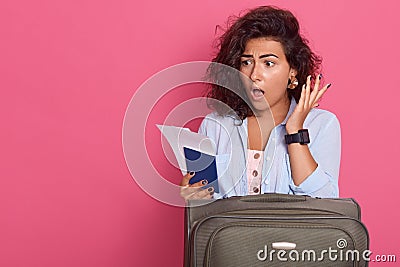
x=275, y=230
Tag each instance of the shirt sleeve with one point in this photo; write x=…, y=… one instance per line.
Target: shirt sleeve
x=326, y=150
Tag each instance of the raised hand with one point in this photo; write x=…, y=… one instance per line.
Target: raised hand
x=308, y=100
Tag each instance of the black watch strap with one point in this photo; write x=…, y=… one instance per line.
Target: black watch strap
x=301, y=137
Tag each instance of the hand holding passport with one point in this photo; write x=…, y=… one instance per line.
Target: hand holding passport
x=194, y=152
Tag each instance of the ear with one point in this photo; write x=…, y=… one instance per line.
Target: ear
x=292, y=73
x=292, y=80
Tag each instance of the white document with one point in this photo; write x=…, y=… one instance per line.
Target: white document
x=179, y=137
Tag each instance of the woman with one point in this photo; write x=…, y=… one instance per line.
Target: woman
x=282, y=143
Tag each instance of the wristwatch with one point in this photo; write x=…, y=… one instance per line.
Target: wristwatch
x=301, y=137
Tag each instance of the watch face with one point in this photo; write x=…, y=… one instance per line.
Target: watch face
x=301, y=137
x=304, y=137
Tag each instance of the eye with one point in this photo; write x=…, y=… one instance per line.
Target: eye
x=246, y=62
x=269, y=63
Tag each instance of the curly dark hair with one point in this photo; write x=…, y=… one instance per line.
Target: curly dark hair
x=265, y=21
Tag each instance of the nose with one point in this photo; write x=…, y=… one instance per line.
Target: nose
x=255, y=74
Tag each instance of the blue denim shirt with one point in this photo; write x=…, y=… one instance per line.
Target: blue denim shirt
x=230, y=138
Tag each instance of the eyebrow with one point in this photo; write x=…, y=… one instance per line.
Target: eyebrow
x=262, y=56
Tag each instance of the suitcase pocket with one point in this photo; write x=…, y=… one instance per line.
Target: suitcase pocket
x=250, y=243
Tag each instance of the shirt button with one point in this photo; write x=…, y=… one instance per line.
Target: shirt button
x=255, y=173
x=256, y=190
x=268, y=158
x=257, y=155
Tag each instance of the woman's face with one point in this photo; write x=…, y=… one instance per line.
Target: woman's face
x=264, y=62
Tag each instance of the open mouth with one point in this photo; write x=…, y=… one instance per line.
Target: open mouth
x=257, y=93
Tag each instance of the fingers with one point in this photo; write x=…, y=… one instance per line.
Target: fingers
x=302, y=96
x=186, y=178
x=195, y=191
x=309, y=97
x=308, y=89
x=199, y=184
x=322, y=92
x=203, y=194
x=187, y=191
x=315, y=90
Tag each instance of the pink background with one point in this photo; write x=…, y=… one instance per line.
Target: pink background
x=68, y=70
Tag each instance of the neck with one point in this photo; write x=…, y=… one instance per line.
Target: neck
x=278, y=111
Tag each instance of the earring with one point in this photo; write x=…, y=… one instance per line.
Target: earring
x=292, y=83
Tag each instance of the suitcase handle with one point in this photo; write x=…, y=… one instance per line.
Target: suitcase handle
x=271, y=197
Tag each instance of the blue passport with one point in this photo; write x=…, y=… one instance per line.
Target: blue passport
x=203, y=165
